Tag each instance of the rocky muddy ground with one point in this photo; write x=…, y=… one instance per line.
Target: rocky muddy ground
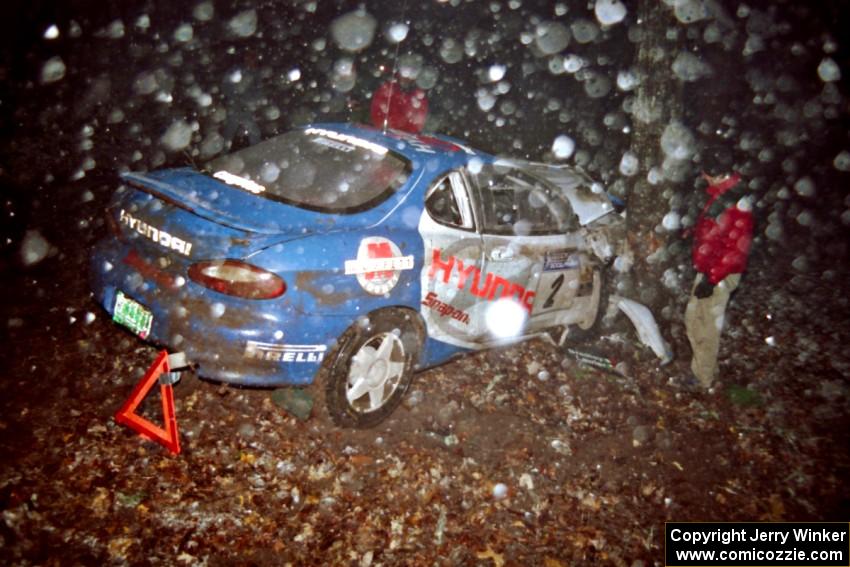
x=516, y=456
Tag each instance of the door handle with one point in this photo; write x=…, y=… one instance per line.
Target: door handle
x=501, y=254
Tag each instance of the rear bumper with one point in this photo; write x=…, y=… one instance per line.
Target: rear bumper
x=263, y=343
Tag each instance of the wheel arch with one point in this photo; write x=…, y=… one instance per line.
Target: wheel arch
x=410, y=314
x=336, y=366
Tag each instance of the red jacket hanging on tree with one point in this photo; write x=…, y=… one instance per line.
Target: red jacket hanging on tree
x=407, y=109
x=723, y=231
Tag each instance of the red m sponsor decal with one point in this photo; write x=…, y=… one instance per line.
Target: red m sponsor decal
x=379, y=250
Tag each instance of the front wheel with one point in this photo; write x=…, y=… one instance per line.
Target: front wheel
x=371, y=368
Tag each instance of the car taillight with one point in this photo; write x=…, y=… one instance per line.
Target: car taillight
x=235, y=277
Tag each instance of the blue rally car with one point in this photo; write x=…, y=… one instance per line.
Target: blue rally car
x=362, y=253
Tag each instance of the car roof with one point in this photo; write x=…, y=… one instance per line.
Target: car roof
x=418, y=148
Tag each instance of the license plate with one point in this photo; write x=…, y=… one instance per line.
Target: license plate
x=132, y=315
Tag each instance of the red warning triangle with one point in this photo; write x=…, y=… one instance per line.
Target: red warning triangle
x=167, y=437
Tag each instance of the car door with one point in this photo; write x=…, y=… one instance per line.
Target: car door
x=533, y=252
x=452, y=256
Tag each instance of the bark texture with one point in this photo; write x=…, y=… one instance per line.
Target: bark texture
x=658, y=101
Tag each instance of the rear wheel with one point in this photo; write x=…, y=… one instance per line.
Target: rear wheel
x=370, y=370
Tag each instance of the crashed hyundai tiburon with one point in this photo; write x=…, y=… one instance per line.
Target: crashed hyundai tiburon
x=363, y=253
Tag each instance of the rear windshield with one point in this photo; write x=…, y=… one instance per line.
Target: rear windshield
x=316, y=169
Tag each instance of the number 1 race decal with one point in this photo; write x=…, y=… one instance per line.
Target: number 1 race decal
x=378, y=265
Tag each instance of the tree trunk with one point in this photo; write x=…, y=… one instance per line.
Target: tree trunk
x=658, y=102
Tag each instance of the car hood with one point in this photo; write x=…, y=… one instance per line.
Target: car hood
x=230, y=206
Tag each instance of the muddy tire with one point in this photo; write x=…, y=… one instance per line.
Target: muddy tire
x=370, y=370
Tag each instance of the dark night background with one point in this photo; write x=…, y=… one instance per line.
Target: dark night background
x=593, y=464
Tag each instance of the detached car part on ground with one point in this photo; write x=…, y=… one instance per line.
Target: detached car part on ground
x=363, y=253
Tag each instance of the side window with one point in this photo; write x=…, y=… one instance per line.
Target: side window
x=447, y=204
x=504, y=211
x=514, y=202
x=442, y=205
